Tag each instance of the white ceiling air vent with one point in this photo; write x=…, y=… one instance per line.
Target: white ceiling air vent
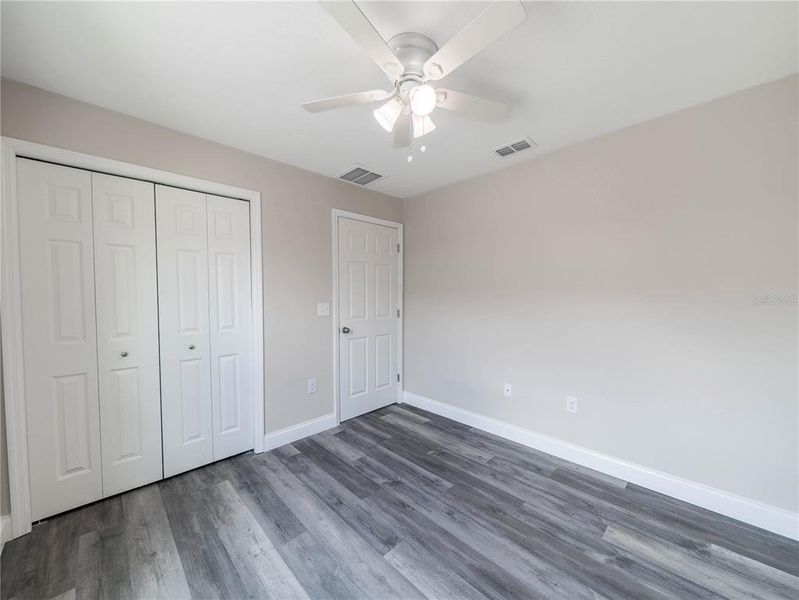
x=514, y=147
x=359, y=175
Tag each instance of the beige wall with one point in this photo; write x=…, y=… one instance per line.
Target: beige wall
x=296, y=207
x=622, y=271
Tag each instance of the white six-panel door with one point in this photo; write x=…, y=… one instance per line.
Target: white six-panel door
x=368, y=320
x=182, y=237
x=231, y=324
x=127, y=331
x=60, y=346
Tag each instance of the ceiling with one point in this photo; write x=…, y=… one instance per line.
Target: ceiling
x=236, y=73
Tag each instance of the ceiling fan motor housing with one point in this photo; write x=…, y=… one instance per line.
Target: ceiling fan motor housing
x=412, y=49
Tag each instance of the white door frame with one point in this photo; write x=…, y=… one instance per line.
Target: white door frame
x=366, y=219
x=11, y=303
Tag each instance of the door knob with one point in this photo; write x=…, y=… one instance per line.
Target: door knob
x=192, y=347
x=123, y=354
x=345, y=330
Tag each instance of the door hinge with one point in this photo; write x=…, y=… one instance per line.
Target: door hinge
x=398, y=248
x=397, y=376
x=398, y=313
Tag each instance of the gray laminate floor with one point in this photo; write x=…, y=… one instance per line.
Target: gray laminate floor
x=398, y=503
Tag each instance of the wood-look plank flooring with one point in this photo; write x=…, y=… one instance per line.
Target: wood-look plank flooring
x=398, y=503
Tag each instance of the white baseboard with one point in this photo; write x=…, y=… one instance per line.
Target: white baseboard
x=278, y=438
x=759, y=514
x=5, y=530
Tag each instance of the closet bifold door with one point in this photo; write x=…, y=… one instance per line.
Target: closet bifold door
x=231, y=324
x=60, y=344
x=182, y=242
x=127, y=331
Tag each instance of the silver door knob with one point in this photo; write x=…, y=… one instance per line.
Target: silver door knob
x=192, y=347
x=345, y=330
x=123, y=354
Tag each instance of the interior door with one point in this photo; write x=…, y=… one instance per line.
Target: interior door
x=368, y=318
x=231, y=324
x=60, y=344
x=182, y=236
x=127, y=331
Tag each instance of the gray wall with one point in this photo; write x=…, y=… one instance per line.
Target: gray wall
x=622, y=271
x=296, y=207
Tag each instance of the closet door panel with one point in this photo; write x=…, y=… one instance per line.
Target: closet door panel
x=231, y=324
x=182, y=236
x=127, y=331
x=60, y=344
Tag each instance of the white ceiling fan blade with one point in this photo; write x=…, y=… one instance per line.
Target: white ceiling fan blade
x=402, y=131
x=490, y=25
x=346, y=100
x=354, y=22
x=471, y=106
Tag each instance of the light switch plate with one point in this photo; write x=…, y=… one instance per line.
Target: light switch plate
x=312, y=385
x=507, y=390
x=323, y=309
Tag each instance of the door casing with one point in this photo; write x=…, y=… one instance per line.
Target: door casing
x=336, y=214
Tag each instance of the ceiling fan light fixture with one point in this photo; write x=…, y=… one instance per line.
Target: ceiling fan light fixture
x=388, y=114
x=422, y=126
x=423, y=100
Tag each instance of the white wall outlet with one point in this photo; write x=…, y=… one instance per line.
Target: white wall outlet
x=571, y=404
x=507, y=390
x=323, y=309
x=312, y=385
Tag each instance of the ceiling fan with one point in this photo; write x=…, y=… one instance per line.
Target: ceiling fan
x=412, y=61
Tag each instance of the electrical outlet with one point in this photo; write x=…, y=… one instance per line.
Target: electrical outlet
x=312, y=385
x=323, y=309
x=571, y=404
x=507, y=390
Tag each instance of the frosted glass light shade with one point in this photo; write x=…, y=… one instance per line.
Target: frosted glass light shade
x=422, y=126
x=388, y=114
x=423, y=100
